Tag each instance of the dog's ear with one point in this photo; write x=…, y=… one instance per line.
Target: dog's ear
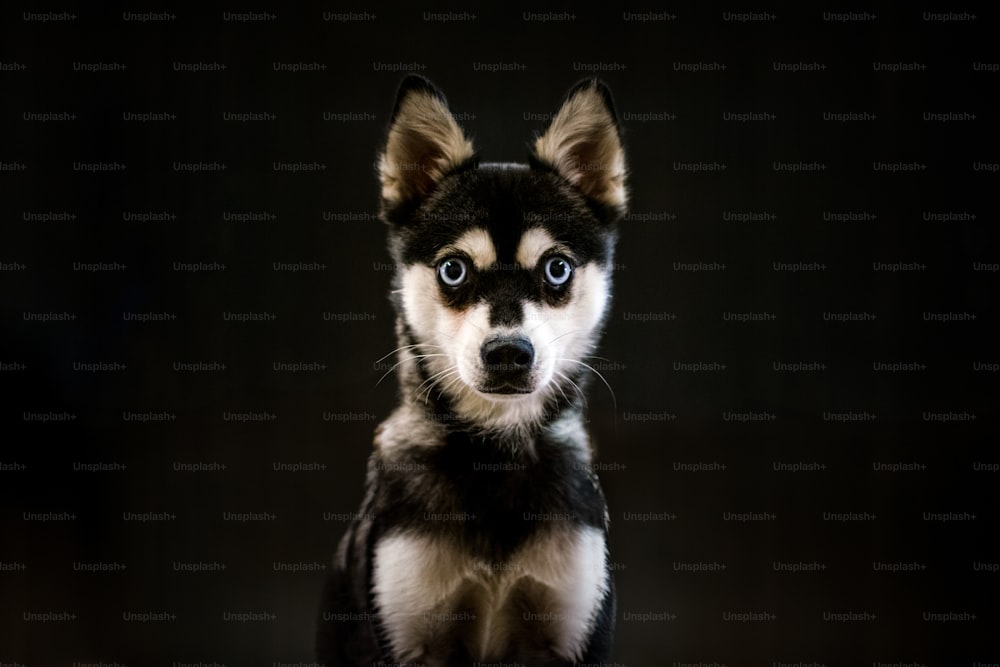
x=583, y=144
x=423, y=144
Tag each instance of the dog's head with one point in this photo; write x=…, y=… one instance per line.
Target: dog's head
x=503, y=270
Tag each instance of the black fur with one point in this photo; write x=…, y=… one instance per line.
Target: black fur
x=460, y=477
x=506, y=491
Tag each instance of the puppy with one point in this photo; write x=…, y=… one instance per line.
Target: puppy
x=482, y=536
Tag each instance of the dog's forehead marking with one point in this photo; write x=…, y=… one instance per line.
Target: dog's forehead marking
x=534, y=243
x=476, y=243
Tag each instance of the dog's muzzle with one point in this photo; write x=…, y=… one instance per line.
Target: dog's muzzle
x=507, y=364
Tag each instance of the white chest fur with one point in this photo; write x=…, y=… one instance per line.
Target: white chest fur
x=551, y=588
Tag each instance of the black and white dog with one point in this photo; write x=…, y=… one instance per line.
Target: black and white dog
x=482, y=537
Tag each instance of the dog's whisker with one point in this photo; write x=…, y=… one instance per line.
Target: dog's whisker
x=614, y=399
x=446, y=386
x=398, y=349
x=567, y=334
x=559, y=387
x=400, y=363
x=434, y=376
x=386, y=374
x=438, y=380
x=589, y=332
x=579, y=391
x=432, y=379
x=407, y=347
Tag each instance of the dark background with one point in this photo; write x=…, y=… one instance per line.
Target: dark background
x=938, y=606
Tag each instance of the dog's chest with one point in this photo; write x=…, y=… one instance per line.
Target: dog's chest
x=438, y=601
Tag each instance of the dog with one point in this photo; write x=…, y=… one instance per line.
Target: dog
x=482, y=535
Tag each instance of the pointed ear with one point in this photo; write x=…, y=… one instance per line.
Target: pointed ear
x=583, y=143
x=423, y=144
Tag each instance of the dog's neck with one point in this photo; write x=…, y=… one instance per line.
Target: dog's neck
x=414, y=426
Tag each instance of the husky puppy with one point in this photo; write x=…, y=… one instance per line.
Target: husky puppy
x=482, y=536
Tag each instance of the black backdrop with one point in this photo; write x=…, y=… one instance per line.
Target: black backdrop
x=800, y=457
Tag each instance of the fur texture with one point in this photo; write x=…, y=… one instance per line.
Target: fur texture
x=482, y=535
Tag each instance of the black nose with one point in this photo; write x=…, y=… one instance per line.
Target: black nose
x=508, y=355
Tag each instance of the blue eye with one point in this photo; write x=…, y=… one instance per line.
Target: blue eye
x=452, y=272
x=557, y=271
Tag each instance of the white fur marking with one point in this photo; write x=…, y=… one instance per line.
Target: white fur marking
x=411, y=576
x=415, y=575
x=561, y=336
x=565, y=334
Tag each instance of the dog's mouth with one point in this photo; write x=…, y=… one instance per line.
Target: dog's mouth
x=507, y=389
x=507, y=380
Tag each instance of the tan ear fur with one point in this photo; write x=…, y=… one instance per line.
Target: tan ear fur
x=423, y=144
x=583, y=145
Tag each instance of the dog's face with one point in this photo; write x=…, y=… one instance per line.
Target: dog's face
x=503, y=271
